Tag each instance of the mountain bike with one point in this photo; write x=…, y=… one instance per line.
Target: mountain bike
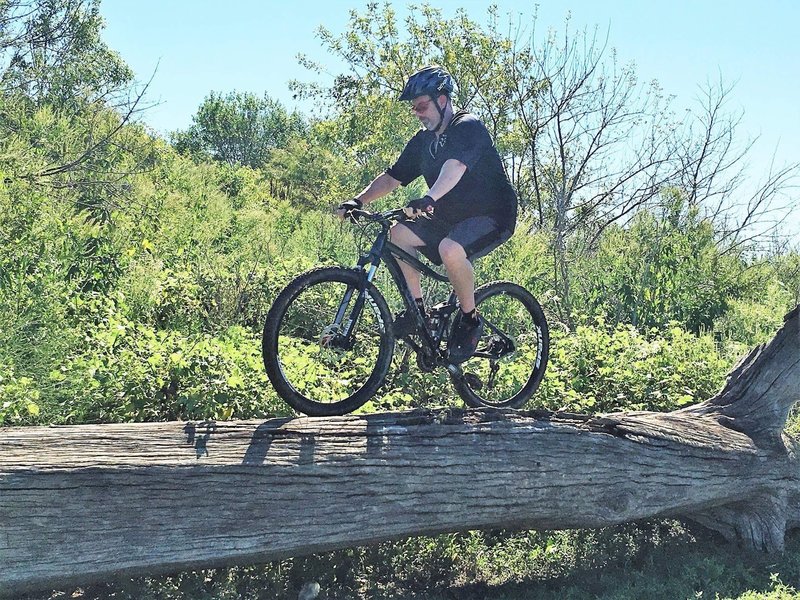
x=329, y=336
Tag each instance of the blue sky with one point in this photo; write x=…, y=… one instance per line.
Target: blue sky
x=251, y=45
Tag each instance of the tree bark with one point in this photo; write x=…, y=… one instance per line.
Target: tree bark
x=88, y=503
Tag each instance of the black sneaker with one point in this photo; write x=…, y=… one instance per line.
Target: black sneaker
x=464, y=339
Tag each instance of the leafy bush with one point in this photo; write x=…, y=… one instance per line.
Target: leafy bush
x=662, y=268
x=601, y=369
x=19, y=398
x=659, y=559
x=129, y=371
x=748, y=323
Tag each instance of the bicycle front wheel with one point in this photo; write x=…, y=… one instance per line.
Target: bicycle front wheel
x=328, y=342
x=511, y=358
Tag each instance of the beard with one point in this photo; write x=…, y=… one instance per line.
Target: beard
x=430, y=123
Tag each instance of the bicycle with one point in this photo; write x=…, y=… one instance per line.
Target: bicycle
x=329, y=336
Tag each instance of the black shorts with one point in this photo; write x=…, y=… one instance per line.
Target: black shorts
x=477, y=235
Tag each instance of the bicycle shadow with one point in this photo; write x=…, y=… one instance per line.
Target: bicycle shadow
x=198, y=436
x=264, y=436
x=372, y=438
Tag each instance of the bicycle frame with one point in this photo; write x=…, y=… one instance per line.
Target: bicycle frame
x=383, y=250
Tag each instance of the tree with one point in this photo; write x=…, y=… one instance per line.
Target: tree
x=52, y=53
x=68, y=148
x=714, y=177
x=239, y=128
x=133, y=497
x=586, y=143
x=64, y=95
x=305, y=171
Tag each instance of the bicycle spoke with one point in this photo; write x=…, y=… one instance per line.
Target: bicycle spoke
x=510, y=360
x=315, y=364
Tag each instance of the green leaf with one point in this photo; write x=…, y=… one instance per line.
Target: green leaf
x=235, y=381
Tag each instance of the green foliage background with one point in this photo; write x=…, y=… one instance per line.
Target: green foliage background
x=135, y=274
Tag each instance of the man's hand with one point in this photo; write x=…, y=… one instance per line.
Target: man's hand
x=420, y=206
x=345, y=209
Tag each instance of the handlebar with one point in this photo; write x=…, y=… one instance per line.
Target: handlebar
x=386, y=217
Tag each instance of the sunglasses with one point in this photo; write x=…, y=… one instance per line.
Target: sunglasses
x=421, y=107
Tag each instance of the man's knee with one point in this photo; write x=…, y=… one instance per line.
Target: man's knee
x=451, y=251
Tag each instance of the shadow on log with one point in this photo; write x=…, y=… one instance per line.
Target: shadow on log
x=87, y=503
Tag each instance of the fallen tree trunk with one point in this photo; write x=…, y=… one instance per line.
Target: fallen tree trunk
x=86, y=503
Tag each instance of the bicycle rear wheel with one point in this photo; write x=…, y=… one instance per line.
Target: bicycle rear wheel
x=313, y=364
x=511, y=358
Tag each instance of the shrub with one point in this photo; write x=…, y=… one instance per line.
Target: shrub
x=132, y=372
x=601, y=369
x=19, y=398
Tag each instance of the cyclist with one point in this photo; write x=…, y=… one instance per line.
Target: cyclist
x=470, y=207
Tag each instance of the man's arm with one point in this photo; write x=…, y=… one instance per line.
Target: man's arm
x=382, y=185
x=452, y=172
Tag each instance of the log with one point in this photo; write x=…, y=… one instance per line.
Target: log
x=83, y=504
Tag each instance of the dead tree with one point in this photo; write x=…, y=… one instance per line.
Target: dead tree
x=88, y=503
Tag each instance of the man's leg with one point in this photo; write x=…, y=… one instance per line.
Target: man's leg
x=469, y=328
x=406, y=239
x=477, y=236
x=460, y=272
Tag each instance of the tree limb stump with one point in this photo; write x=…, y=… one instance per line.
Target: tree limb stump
x=87, y=503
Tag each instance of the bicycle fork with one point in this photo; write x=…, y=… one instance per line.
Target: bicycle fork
x=342, y=330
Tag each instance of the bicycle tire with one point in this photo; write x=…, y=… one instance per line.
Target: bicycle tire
x=307, y=371
x=515, y=312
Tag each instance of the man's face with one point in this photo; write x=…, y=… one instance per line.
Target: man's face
x=425, y=109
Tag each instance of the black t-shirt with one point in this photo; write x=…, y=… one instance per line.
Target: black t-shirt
x=484, y=189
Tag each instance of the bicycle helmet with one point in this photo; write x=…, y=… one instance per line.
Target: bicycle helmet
x=428, y=81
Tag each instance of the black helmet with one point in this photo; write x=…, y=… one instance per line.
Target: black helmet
x=429, y=81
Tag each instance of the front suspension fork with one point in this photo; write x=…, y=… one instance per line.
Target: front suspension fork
x=344, y=324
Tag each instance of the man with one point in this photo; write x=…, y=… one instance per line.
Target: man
x=470, y=207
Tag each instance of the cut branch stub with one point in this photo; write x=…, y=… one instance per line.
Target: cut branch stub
x=762, y=388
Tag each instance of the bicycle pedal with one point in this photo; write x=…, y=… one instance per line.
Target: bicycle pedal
x=441, y=310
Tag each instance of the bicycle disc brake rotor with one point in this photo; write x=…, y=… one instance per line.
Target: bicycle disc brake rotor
x=330, y=337
x=499, y=347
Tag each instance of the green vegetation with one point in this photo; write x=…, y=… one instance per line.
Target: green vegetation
x=664, y=560
x=135, y=274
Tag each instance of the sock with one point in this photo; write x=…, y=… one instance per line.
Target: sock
x=420, y=304
x=471, y=316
